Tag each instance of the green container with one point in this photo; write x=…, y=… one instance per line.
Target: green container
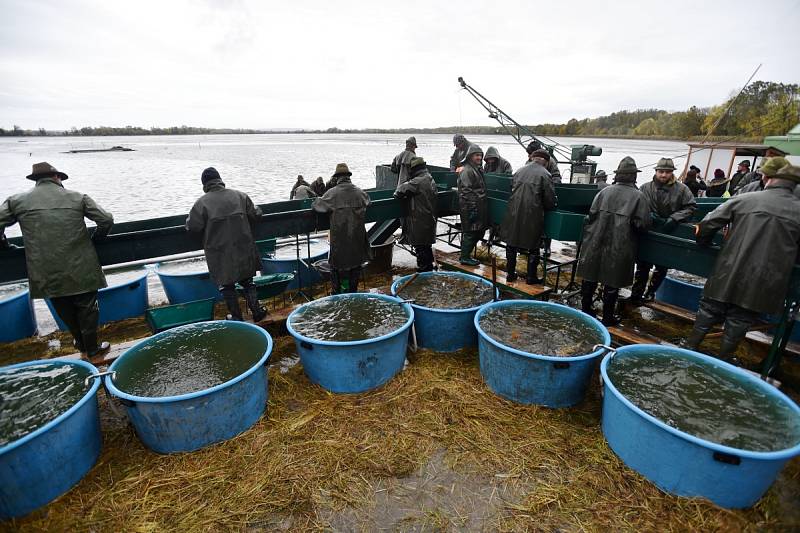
x=170, y=316
x=270, y=285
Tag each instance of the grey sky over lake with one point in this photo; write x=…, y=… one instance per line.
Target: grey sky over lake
x=318, y=64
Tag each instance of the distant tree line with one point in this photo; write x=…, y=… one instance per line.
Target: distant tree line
x=763, y=108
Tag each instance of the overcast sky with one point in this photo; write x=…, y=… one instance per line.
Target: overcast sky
x=318, y=64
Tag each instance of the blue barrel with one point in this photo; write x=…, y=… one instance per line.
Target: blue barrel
x=306, y=274
x=444, y=330
x=537, y=379
x=192, y=421
x=182, y=287
x=680, y=463
x=46, y=463
x=17, y=319
x=679, y=293
x=353, y=366
x=118, y=302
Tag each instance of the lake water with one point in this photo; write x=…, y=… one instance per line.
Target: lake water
x=162, y=176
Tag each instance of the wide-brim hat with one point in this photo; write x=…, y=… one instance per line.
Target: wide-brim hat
x=665, y=163
x=342, y=170
x=789, y=172
x=44, y=170
x=601, y=174
x=772, y=165
x=627, y=166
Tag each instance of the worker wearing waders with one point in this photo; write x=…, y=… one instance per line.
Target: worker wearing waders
x=401, y=161
x=752, y=270
x=225, y=217
x=492, y=162
x=619, y=213
x=61, y=259
x=347, y=206
x=673, y=201
x=462, y=144
x=473, y=204
x=532, y=194
x=419, y=227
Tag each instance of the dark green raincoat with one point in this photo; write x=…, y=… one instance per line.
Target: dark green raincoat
x=532, y=194
x=419, y=227
x=473, y=203
x=500, y=166
x=347, y=206
x=60, y=256
x=754, y=266
x=610, y=238
x=224, y=217
x=670, y=200
x=400, y=165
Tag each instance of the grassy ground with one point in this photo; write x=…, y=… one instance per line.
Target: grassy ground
x=433, y=449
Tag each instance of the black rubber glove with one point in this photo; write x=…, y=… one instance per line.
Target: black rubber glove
x=670, y=225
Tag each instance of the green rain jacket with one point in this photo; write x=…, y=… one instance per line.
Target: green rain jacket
x=347, y=206
x=754, y=266
x=532, y=194
x=473, y=203
x=59, y=253
x=419, y=227
x=670, y=200
x=224, y=217
x=501, y=166
x=619, y=213
x=400, y=165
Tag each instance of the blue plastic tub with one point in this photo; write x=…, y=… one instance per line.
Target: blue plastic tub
x=444, y=330
x=182, y=287
x=46, y=463
x=192, y=421
x=117, y=302
x=679, y=293
x=537, y=379
x=306, y=274
x=353, y=366
x=683, y=464
x=17, y=319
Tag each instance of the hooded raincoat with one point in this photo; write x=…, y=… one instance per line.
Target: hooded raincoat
x=400, y=165
x=347, y=206
x=532, y=194
x=419, y=227
x=224, y=217
x=59, y=254
x=499, y=166
x=754, y=266
x=473, y=203
x=670, y=200
x=619, y=213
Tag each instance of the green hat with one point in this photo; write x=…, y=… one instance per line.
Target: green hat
x=342, y=170
x=788, y=172
x=665, y=163
x=415, y=163
x=45, y=170
x=627, y=166
x=772, y=165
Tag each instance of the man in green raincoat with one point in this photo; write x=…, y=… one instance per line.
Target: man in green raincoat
x=493, y=162
x=752, y=270
x=401, y=161
x=419, y=227
x=473, y=203
x=61, y=259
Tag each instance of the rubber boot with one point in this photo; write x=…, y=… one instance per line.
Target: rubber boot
x=694, y=339
x=727, y=350
x=587, y=297
x=468, y=241
x=639, y=285
x=532, y=276
x=251, y=297
x=88, y=313
x=232, y=302
x=511, y=264
x=336, y=283
x=655, y=282
x=353, y=276
x=610, y=295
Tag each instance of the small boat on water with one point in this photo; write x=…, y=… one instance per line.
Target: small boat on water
x=93, y=150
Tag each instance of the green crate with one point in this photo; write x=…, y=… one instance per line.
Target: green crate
x=171, y=316
x=270, y=285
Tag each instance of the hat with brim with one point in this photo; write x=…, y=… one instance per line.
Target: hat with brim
x=45, y=170
x=788, y=172
x=772, y=165
x=342, y=170
x=665, y=163
x=601, y=174
x=541, y=152
x=627, y=166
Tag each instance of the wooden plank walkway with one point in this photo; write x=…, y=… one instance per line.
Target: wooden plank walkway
x=449, y=261
x=621, y=336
